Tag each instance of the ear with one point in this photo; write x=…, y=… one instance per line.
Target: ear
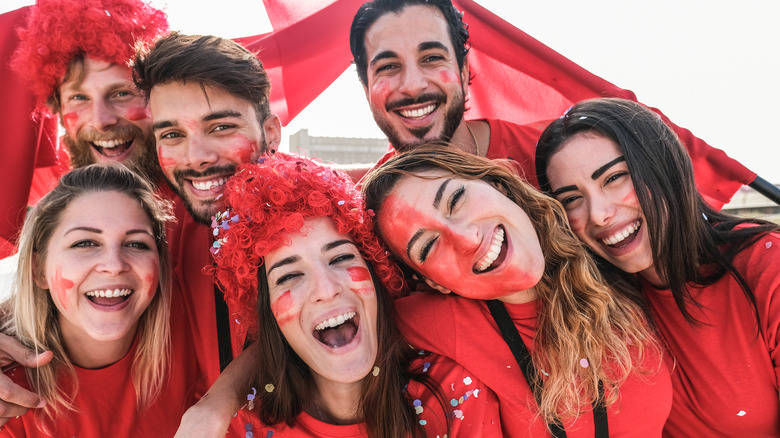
x=365, y=90
x=464, y=76
x=272, y=128
x=38, y=275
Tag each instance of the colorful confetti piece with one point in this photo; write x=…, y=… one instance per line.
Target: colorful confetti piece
x=375, y=371
x=584, y=363
x=467, y=380
x=269, y=387
x=741, y=413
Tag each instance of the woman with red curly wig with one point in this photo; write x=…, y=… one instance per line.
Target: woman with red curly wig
x=304, y=274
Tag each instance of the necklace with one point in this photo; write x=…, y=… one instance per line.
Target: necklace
x=317, y=405
x=473, y=137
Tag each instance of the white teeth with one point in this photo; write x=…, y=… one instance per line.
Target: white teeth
x=208, y=185
x=621, y=235
x=109, y=293
x=418, y=113
x=335, y=321
x=493, y=251
x=110, y=144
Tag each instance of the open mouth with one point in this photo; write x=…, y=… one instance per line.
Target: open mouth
x=112, y=148
x=496, y=253
x=109, y=297
x=623, y=237
x=419, y=113
x=337, y=331
x=211, y=184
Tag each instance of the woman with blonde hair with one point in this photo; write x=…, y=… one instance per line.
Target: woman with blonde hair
x=93, y=286
x=528, y=294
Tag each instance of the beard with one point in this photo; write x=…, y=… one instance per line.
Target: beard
x=143, y=159
x=452, y=118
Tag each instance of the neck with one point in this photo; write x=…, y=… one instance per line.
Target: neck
x=651, y=275
x=463, y=140
x=335, y=402
x=89, y=353
x=522, y=297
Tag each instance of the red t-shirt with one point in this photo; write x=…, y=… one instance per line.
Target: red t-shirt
x=464, y=330
x=471, y=406
x=507, y=140
x=726, y=375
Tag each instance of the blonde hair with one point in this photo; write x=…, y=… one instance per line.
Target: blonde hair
x=580, y=316
x=34, y=318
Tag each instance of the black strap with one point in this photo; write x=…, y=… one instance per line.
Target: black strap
x=223, y=329
x=523, y=357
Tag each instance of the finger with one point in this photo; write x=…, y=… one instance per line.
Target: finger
x=15, y=400
x=11, y=350
x=437, y=286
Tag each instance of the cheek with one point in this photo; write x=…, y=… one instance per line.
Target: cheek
x=379, y=92
x=70, y=120
x=359, y=273
x=166, y=162
x=630, y=199
x=60, y=287
x=138, y=113
x=576, y=224
x=243, y=149
x=448, y=77
x=151, y=280
x=282, y=309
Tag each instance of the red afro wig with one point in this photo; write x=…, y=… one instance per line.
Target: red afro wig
x=269, y=200
x=59, y=30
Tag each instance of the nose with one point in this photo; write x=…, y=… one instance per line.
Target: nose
x=201, y=153
x=413, y=81
x=326, y=285
x=113, y=261
x=103, y=115
x=465, y=236
x=601, y=210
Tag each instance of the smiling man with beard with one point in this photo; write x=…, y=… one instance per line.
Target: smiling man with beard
x=74, y=54
x=412, y=60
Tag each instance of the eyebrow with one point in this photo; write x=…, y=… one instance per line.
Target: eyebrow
x=99, y=231
x=295, y=258
x=428, y=45
x=414, y=239
x=163, y=124
x=564, y=189
x=439, y=193
x=336, y=244
x=280, y=263
x=600, y=171
x=209, y=117
x=383, y=55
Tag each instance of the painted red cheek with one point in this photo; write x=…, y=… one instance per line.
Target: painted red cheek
x=630, y=198
x=379, y=91
x=448, y=76
x=363, y=290
x=281, y=308
x=61, y=287
x=165, y=162
x=244, y=149
x=70, y=119
x=576, y=224
x=151, y=279
x=358, y=273
x=138, y=113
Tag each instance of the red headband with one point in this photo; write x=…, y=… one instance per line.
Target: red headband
x=271, y=199
x=58, y=30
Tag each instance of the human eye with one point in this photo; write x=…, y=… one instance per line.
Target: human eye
x=287, y=277
x=385, y=68
x=170, y=135
x=426, y=249
x=568, y=200
x=223, y=127
x=139, y=245
x=615, y=177
x=342, y=258
x=85, y=243
x=456, y=197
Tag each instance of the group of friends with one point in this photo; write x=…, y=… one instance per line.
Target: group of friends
x=186, y=278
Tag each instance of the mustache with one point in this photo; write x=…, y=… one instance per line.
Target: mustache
x=423, y=98
x=214, y=170
x=120, y=131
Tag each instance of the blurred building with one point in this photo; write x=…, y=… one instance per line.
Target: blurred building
x=749, y=203
x=339, y=150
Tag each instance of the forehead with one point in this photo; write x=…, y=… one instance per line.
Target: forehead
x=315, y=233
x=96, y=73
x=193, y=100
x=405, y=31
x=90, y=208
x=585, y=150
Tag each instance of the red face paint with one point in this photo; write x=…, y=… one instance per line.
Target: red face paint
x=244, y=148
x=630, y=198
x=165, y=162
x=281, y=307
x=359, y=273
x=448, y=76
x=363, y=290
x=61, y=286
x=69, y=120
x=576, y=224
x=138, y=113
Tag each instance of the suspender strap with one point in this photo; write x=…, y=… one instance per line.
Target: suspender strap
x=523, y=357
x=223, y=329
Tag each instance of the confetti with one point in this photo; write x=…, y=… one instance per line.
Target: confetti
x=248, y=428
x=548, y=374
x=454, y=403
x=768, y=245
x=416, y=403
x=458, y=413
x=341, y=202
x=741, y=413
x=584, y=363
x=418, y=410
x=423, y=422
x=375, y=371
x=426, y=365
x=269, y=434
x=251, y=396
x=467, y=380
x=269, y=387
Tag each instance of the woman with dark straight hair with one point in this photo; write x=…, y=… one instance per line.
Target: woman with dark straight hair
x=709, y=277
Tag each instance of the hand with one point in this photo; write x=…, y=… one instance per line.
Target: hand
x=204, y=419
x=431, y=284
x=15, y=400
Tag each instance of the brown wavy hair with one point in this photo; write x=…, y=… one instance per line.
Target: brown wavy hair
x=580, y=316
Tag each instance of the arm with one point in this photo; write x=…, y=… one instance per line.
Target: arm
x=15, y=400
x=211, y=416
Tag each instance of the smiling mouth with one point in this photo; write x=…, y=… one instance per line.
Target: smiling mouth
x=622, y=237
x=109, y=297
x=210, y=184
x=112, y=148
x=495, y=255
x=337, y=331
x=419, y=113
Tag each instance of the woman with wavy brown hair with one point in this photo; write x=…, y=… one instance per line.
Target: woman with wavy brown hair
x=471, y=226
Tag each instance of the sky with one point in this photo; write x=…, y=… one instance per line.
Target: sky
x=711, y=66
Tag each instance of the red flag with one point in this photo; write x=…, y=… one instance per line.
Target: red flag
x=26, y=145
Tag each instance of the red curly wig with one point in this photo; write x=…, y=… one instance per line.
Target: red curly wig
x=269, y=200
x=59, y=30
